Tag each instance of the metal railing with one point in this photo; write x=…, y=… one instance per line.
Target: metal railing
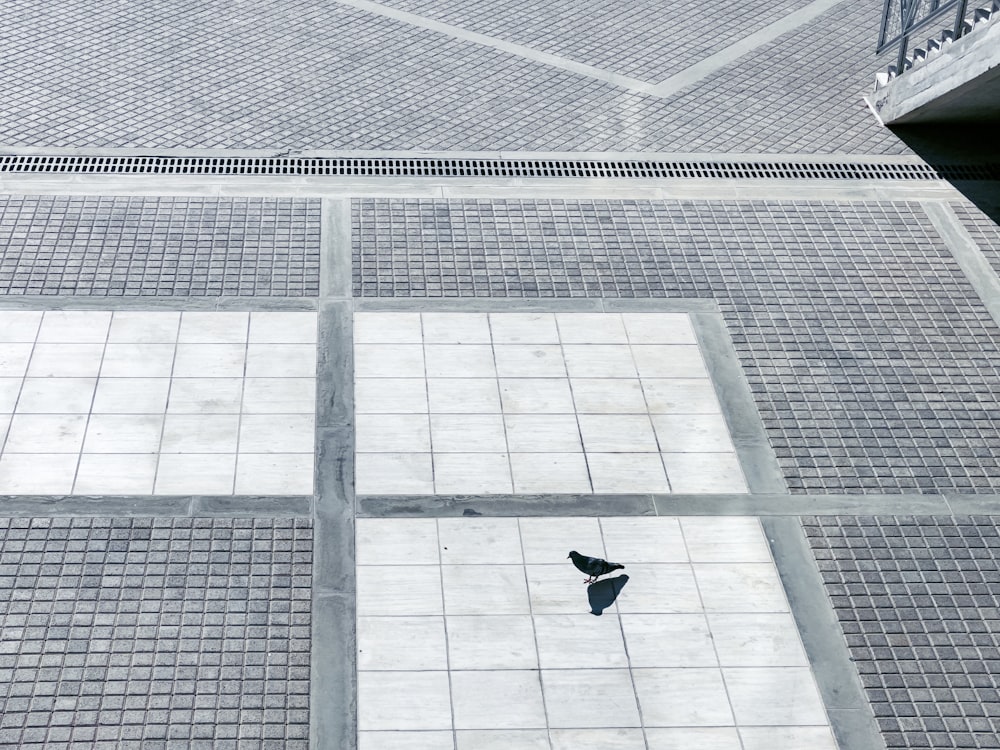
x=902, y=18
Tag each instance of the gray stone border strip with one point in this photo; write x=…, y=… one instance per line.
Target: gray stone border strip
x=335, y=249
x=561, y=188
x=236, y=506
x=333, y=656
x=713, y=63
x=447, y=506
x=846, y=705
x=306, y=153
x=534, y=304
x=91, y=302
x=475, y=304
x=967, y=253
x=510, y=48
x=757, y=458
x=444, y=506
x=496, y=505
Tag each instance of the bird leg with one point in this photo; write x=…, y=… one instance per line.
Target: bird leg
x=592, y=579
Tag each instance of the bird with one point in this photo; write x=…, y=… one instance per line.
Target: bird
x=594, y=567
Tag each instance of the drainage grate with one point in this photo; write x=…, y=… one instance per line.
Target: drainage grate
x=360, y=167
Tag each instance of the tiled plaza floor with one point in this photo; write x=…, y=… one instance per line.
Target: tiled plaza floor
x=476, y=403
x=166, y=403
x=477, y=633
x=294, y=461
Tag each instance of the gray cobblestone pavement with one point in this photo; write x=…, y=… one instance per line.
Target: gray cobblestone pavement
x=159, y=246
x=154, y=633
x=775, y=100
x=306, y=74
x=918, y=601
x=642, y=38
x=872, y=362
x=983, y=230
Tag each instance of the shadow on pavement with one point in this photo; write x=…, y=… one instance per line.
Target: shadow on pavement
x=603, y=593
x=950, y=143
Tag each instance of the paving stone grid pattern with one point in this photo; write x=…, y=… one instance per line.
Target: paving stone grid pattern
x=919, y=603
x=310, y=74
x=984, y=230
x=872, y=362
x=166, y=403
x=694, y=645
x=640, y=38
x=476, y=403
x=133, y=246
x=155, y=633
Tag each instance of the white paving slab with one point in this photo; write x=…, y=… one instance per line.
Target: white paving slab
x=144, y=327
x=488, y=618
x=467, y=433
x=459, y=361
x=403, y=700
x=492, y=642
x=682, y=640
x=621, y=473
x=520, y=692
x=503, y=739
x=536, y=396
x=550, y=473
x=694, y=738
x=396, y=740
x=580, y=698
x=456, y=328
x=56, y=395
x=402, y=643
x=128, y=402
x=597, y=739
x=511, y=397
x=694, y=697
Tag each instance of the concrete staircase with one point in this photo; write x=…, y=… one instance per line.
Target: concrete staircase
x=979, y=19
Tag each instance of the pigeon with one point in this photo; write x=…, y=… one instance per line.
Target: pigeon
x=594, y=567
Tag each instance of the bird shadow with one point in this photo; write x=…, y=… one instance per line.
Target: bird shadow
x=603, y=593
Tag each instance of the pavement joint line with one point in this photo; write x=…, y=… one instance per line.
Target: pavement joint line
x=152, y=303
x=728, y=504
x=968, y=255
x=757, y=459
x=844, y=699
x=163, y=506
x=511, y=48
x=480, y=187
x=321, y=153
x=533, y=304
x=713, y=63
x=333, y=658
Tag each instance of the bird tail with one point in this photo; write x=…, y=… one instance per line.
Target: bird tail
x=615, y=566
